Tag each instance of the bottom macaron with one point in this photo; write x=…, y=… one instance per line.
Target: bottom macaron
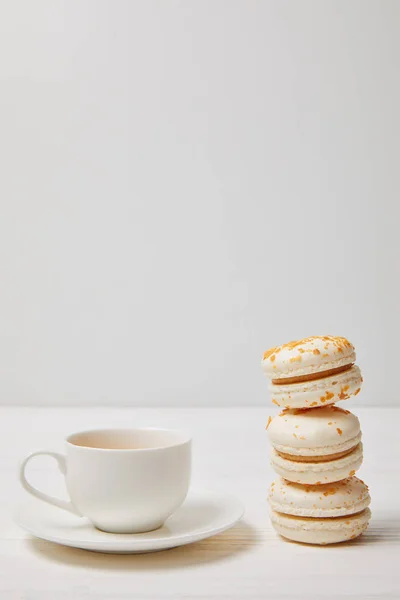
x=320, y=514
x=320, y=531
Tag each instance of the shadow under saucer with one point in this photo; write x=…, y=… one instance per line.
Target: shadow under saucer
x=240, y=538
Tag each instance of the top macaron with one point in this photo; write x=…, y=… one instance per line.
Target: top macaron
x=308, y=356
x=312, y=372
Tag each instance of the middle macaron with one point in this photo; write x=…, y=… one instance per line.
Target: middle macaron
x=315, y=446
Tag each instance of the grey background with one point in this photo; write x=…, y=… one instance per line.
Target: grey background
x=185, y=184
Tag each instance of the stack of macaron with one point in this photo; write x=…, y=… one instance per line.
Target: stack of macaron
x=316, y=446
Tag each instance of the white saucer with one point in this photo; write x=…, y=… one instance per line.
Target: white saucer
x=200, y=516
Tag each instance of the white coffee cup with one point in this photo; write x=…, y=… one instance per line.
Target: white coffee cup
x=123, y=480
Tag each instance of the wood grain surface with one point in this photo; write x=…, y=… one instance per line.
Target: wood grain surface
x=247, y=562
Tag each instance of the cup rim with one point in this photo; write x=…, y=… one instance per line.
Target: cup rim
x=186, y=439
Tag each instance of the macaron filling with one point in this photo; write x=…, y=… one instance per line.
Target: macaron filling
x=316, y=459
x=312, y=376
x=331, y=520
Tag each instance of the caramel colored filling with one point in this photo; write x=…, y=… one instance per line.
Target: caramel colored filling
x=316, y=459
x=312, y=376
x=351, y=517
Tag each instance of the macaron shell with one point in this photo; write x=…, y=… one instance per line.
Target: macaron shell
x=310, y=355
x=314, y=432
x=321, y=531
x=327, y=500
x=318, y=392
x=318, y=472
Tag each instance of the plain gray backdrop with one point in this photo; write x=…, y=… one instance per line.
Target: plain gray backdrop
x=187, y=183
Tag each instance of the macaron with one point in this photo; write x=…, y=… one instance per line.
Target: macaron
x=315, y=371
x=315, y=446
x=323, y=514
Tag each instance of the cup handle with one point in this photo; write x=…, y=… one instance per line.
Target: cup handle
x=62, y=465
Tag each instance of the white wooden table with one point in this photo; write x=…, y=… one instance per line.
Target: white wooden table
x=247, y=562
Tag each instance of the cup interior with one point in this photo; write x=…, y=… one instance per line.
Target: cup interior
x=128, y=439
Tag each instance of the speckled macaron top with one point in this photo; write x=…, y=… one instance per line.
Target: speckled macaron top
x=308, y=356
x=314, y=432
x=344, y=497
